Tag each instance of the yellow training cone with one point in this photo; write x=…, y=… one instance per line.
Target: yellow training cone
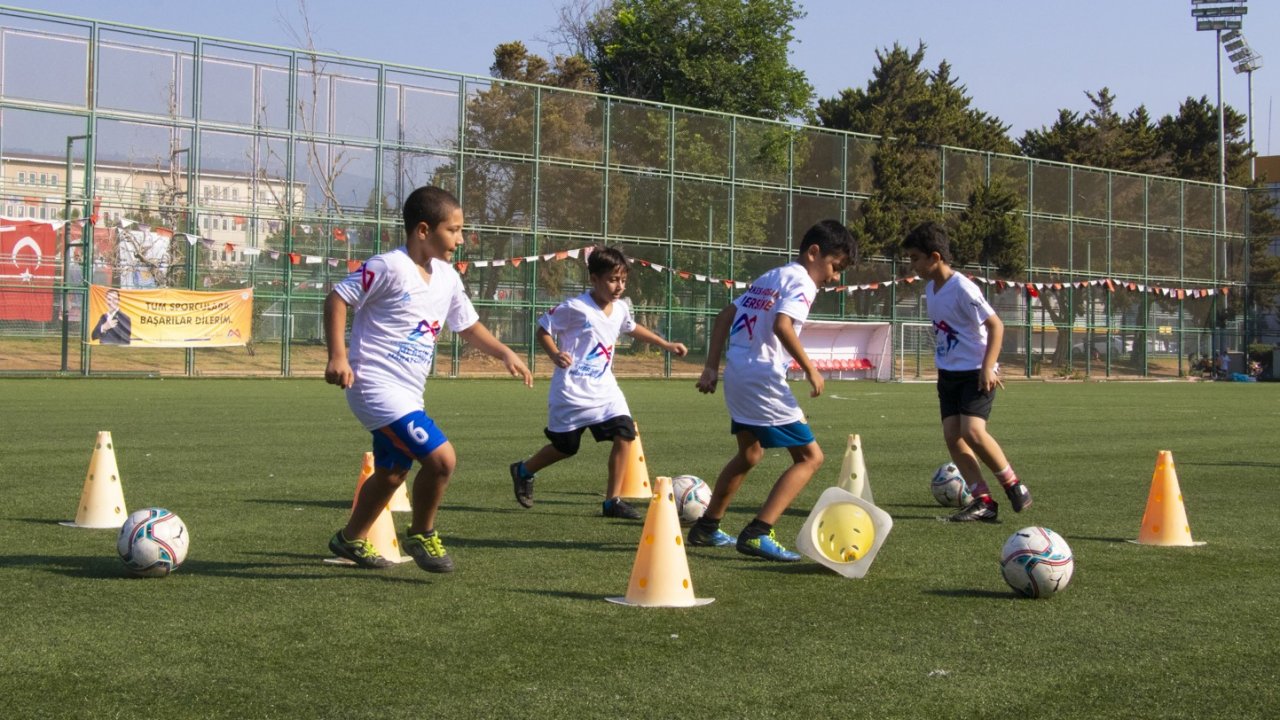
x=102, y=499
x=635, y=476
x=660, y=575
x=853, y=472
x=1165, y=520
x=844, y=532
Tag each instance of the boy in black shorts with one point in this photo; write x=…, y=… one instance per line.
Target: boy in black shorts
x=967, y=335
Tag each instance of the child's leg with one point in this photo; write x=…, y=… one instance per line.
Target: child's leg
x=618, y=457
x=805, y=461
x=374, y=495
x=544, y=458
x=750, y=453
x=974, y=431
x=963, y=455
x=429, y=486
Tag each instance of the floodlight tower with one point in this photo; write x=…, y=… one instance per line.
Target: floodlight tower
x=1245, y=61
x=1220, y=15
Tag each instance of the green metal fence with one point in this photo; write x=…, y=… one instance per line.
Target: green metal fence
x=279, y=169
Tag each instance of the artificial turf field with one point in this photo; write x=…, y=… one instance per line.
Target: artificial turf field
x=256, y=625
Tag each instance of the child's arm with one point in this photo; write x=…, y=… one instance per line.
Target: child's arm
x=644, y=334
x=715, y=349
x=784, y=327
x=988, y=380
x=548, y=343
x=338, y=370
x=480, y=336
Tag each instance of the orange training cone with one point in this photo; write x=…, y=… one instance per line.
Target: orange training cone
x=102, y=499
x=1165, y=520
x=635, y=477
x=660, y=575
x=383, y=533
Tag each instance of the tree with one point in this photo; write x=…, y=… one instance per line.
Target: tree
x=727, y=55
x=913, y=110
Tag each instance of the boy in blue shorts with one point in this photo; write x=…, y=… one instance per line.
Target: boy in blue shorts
x=762, y=329
x=402, y=300
x=967, y=335
x=579, y=335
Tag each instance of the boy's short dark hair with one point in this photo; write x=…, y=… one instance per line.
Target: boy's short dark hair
x=832, y=238
x=929, y=237
x=605, y=259
x=428, y=204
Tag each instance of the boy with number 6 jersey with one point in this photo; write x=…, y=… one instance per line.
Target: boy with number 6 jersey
x=402, y=300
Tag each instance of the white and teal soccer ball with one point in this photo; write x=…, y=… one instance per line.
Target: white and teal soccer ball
x=949, y=488
x=1036, y=562
x=692, y=497
x=152, y=542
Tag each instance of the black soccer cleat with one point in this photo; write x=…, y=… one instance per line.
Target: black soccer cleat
x=523, y=485
x=616, y=508
x=980, y=510
x=1019, y=496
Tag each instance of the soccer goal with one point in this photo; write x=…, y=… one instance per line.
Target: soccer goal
x=913, y=347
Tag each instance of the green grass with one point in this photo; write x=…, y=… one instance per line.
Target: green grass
x=255, y=625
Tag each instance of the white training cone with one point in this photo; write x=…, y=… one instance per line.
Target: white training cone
x=844, y=532
x=102, y=499
x=853, y=471
x=660, y=575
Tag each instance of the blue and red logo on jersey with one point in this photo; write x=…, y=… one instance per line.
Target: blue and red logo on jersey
x=595, y=364
x=745, y=321
x=948, y=338
x=424, y=328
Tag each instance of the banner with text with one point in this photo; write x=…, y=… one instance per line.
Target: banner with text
x=169, y=318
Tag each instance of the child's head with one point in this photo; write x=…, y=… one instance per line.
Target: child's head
x=608, y=270
x=827, y=249
x=428, y=204
x=928, y=238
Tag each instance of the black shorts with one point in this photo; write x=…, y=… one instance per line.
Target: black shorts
x=621, y=426
x=958, y=394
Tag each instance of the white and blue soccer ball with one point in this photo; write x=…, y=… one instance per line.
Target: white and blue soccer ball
x=692, y=497
x=1037, y=562
x=152, y=542
x=949, y=488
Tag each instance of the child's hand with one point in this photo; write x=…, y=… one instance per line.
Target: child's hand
x=988, y=380
x=562, y=359
x=677, y=349
x=817, y=382
x=338, y=372
x=517, y=368
x=707, y=383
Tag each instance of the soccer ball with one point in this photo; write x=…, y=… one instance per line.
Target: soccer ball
x=692, y=496
x=949, y=488
x=1036, y=562
x=152, y=542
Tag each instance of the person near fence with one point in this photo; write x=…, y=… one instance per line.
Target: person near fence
x=967, y=338
x=113, y=326
x=580, y=336
x=761, y=330
x=403, y=299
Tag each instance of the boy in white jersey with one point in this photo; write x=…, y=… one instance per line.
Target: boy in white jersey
x=584, y=392
x=762, y=328
x=967, y=335
x=402, y=300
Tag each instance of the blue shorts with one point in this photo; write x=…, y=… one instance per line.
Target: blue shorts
x=410, y=438
x=796, y=434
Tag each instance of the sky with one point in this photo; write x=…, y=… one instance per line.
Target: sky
x=1021, y=60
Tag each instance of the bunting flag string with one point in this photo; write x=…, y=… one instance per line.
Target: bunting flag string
x=1029, y=289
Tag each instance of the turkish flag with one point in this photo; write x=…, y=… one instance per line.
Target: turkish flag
x=27, y=270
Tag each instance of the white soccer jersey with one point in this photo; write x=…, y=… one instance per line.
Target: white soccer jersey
x=398, y=316
x=957, y=311
x=755, y=374
x=586, y=392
